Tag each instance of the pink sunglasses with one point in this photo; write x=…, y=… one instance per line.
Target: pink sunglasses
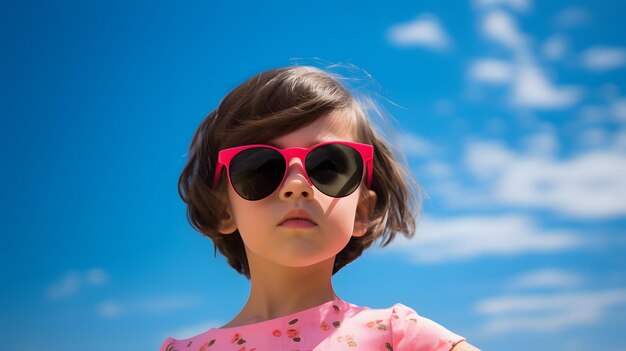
x=335, y=168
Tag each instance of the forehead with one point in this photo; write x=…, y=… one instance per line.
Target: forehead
x=335, y=126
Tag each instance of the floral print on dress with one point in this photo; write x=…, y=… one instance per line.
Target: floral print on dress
x=348, y=338
x=206, y=345
x=378, y=324
x=335, y=325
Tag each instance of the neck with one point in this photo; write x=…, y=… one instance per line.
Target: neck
x=277, y=291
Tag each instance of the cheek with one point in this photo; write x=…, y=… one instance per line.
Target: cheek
x=248, y=214
x=341, y=214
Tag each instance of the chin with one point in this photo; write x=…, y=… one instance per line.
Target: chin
x=304, y=261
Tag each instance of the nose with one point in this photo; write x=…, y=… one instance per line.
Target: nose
x=296, y=184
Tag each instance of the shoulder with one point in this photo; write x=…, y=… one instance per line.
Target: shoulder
x=411, y=331
x=171, y=344
x=204, y=340
x=168, y=344
x=464, y=346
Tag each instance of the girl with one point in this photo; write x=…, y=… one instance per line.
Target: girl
x=291, y=182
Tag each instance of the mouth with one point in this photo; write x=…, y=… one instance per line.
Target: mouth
x=297, y=218
x=297, y=223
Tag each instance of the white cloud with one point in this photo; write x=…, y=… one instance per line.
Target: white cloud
x=593, y=114
x=67, y=286
x=73, y=281
x=532, y=89
x=543, y=143
x=548, y=313
x=424, y=31
x=573, y=16
x=486, y=159
x=502, y=28
x=96, y=276
x=464, y=238
x=455, y=195
x=602, y=58
x=520, y=5
x=491, y=71
x=590, y=185
x=109, y=309
x=594, y=137
x=618, y=109
x=613, y=111
x=159, y=305
x=529, y=86
x=438, y=169
x=619, y=142
x=555, y=47
x=547, y=278
x=414, y=145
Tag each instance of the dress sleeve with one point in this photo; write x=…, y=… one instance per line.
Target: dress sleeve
x=168, y=345
x=413, y=332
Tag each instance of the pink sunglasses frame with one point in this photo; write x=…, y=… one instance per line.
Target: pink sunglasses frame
x=226, y=156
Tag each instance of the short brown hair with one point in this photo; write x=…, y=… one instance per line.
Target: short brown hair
x=274, y=103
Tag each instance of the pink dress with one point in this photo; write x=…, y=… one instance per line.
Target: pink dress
x=334, y=325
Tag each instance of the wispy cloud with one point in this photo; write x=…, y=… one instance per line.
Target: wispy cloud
x=455, y=195
x=501, y=27
x=463, y=238
x=531, y=88
x=73, y=281
x=487, y=158
x=618, y=109
x=153, y=305
x=438, y=169
x=414, y=145
x=611, y=111
x=528, y=84
x=109, y=309
x=520, y=5
x=589, y=185
x=491, y=71
x=425, y=31
x=603, y=58
x=572, y=16
x=547, y=278
x=542, y=143
x=555, y=47
x=547, y=312
x=594, y=137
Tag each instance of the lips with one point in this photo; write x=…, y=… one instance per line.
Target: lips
x=297, y=218
x=297, y=223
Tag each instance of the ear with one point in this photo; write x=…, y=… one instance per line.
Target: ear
x=227, y=225
x=364, y=208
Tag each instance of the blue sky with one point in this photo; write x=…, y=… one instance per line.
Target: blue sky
x=511, y=113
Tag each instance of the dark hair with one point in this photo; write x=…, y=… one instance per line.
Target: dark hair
x=274, y=103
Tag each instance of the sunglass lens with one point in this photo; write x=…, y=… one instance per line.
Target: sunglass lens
x=335, y=169
x=255, y=173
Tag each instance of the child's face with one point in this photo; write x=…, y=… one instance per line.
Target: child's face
x=259, y=222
